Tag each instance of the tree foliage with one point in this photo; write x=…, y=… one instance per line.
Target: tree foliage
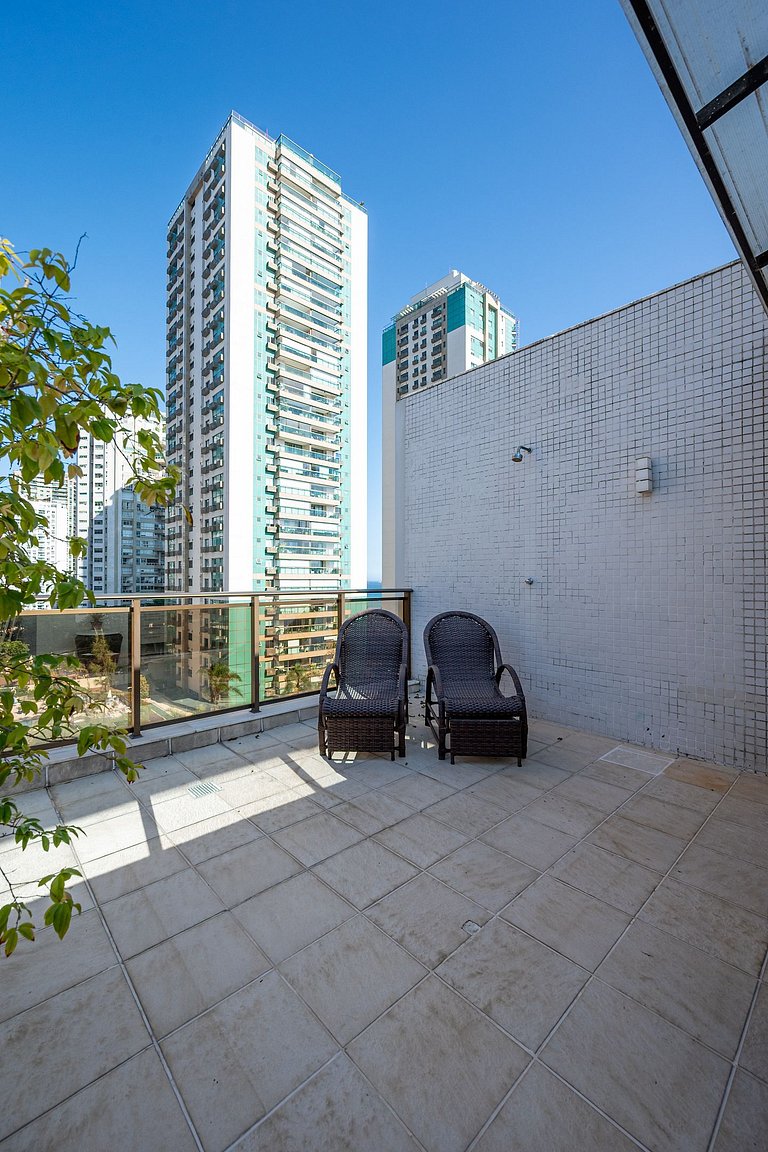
x=56, y=385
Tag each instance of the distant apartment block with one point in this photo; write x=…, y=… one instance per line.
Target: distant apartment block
x=267, y=372
x=125, y=537
x=56, y=505
x=452, y=326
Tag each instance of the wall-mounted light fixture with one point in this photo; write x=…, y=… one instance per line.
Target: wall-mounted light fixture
x=643, y=474
x=517, y=456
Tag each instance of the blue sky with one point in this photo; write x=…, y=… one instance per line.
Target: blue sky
x=527, y=145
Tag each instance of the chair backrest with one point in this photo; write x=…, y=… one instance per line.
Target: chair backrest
x=372, y=646
x=462, y=644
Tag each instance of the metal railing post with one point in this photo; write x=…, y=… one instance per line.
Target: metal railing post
x=134, y=617
x=407, y=622
x=255, y=658
x=341, y=601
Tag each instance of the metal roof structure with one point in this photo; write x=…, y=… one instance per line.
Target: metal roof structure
x=710, y=58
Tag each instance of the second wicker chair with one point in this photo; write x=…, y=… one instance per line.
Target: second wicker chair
x=469, y=714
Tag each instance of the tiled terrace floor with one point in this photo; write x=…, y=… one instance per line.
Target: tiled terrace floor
x=381, y=957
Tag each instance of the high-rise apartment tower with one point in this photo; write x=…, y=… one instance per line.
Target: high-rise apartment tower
x=267, y=373
x=453, y=325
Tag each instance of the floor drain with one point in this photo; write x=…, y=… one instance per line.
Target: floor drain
x=471, y=927
x=203, y=789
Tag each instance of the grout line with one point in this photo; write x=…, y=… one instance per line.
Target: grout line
x=153, y=1039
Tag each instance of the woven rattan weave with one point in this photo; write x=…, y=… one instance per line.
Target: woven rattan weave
x=469, y=714
x=369, y=710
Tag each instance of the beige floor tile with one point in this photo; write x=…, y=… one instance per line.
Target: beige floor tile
x=187, y=810
x=668, y=790
x=365, y=872
x=53, y=1068
x=206, y=761
x=417, y=790
x=485, y=875
x=252, y=786
x=160, y=786
x=637, y=842
x=521, y=984
x=273, y=813
x=573, y=923
x=50, y=966
x=528, y=840
x=110, y=836
x=133, y=1107
x=466, y=813
x=647, y=1075
x=441, y=1064
x=608, y=876
x=622, y=777
x=504, y=792
x=427, y=918
x=243, y=872
x=734, y=840
x=538, y=775
x=376, y=773
x=292, y=914
x=313, y=840
x=351, y=976
x=236, y=1062
x=132, y=868
x=567, y=757
x=372, y=812
x=595, y=793
x=85, y=810
x=459, y=775
x=699, y=993
x=701, y=774
x=744, y=1127
x=736, y=881
x=143, y=918
x=336, y=1110
x=569, y=816
x=547, y=730
x=663, y=816
x=754, y=1054
x=732, y=934
x=215, y=836
x=544, y=1115
x=745, y=812
x=182, y=977
x=421, y=840
x=752, y=786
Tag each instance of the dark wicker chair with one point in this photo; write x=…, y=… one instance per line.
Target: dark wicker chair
x=369, y=711
x=469, y=714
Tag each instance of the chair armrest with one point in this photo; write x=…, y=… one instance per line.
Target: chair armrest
x=402, y=693
x=433, y=677
x=331, y=670
x=502, y=668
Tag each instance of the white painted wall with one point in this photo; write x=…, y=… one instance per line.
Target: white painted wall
x=646, y=618
x=358, y=362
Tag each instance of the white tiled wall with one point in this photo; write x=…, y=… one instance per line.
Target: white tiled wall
x=646, y=618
